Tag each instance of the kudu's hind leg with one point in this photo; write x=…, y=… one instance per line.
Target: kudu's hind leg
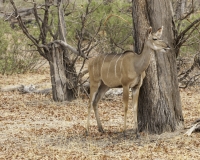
x=93, y=91
x=100, y=93
x=135, y=96
x=125, y=101
x=96, y=93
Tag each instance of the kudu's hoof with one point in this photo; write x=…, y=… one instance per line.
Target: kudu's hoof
x=124, y=133
x=137, y=136
x=86, y=132
x=101, y=130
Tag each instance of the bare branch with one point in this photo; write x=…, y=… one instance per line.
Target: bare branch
x=62, y=25
x=25, y=31
x=45, y=22
x=66, y=45
x=182, y=34
x=74, y=50
x=188, y=14
x=190, y=33
x=193, y=128
x=37, y=20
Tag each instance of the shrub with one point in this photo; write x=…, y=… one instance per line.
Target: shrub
x=116, y=30
x=16, y=55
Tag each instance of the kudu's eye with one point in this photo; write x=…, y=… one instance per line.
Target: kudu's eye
x=154, y=39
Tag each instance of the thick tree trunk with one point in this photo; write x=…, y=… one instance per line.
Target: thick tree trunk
x=180, y=9
x=63, y=76
x=141, y=23
x=62, y=71
x=159, y=101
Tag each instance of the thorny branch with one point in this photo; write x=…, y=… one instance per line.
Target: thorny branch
x=180, y=39
x=80, y=33
x=26, y=32
x=181, y=13
x=185, y=75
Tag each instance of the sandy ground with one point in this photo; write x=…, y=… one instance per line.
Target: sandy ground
x=34, y=127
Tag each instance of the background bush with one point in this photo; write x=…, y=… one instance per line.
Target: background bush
x=116, y=25
x=16, y=53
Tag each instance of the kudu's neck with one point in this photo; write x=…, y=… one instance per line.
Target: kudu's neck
x=143, y=60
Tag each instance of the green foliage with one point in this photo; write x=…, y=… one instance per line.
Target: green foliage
x=15, y=54
x=192, y=45
x=115, y=19
x=109, y=25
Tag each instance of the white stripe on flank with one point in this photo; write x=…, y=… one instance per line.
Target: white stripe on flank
x=116, y=65
x=103, y=63
x=121, y=67
x=93, y=68
x=97, y=62
x=110, y=64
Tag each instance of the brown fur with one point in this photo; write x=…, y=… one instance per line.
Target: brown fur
x=126, y=70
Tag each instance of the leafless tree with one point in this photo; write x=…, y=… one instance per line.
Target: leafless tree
x=64, y=78
x=186, y=36
x=183, y=10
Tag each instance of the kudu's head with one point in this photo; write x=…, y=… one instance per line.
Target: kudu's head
x=154, y=42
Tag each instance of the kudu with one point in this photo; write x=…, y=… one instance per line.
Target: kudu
x=125, y=70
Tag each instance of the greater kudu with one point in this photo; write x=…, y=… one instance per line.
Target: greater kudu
x=125, y=70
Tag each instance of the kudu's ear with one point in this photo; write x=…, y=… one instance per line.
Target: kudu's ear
x=149, y=32
x=159, y=32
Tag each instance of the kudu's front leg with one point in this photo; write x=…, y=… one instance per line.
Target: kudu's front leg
x=135, y=95
x=88, y=117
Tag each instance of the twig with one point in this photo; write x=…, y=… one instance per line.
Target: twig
x=182, y=34
x=24, y=29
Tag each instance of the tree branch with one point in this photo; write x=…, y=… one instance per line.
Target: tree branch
x=190, y=33
x=62, y=25
x=182, y=34
x=74, y=50
x=45, y=22
x=37, y=20
x=25, y=31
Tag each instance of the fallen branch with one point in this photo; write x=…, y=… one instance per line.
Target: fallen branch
x=44, y=91
x=195, y=127
x=26, y=89
x=183, y=77
x=11, y=88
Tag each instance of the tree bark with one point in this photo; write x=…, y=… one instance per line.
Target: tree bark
x=62, y=69
x=140, y=23
x=159, y=100
x=63, y=75
x=180, y=9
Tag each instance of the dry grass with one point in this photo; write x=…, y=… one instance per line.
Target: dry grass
x=34, y=127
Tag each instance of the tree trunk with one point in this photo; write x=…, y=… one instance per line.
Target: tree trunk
x=180, y=9
x=63, y=75
x=62, y=69
x=159, y=101
x=1, y=4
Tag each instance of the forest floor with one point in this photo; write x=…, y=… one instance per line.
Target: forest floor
x=32, y=126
